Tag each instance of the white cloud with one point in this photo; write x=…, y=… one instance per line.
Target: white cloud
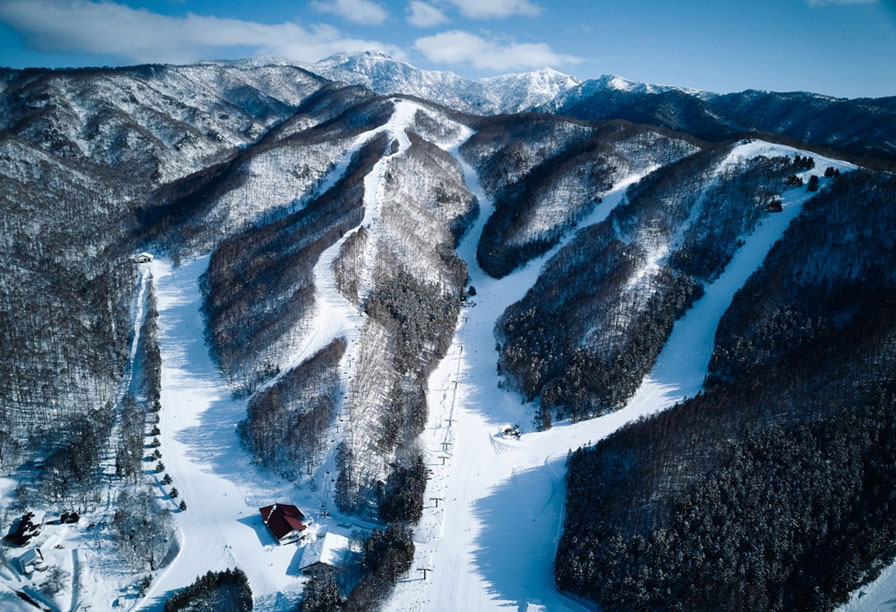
x=358, y=11
x=424, y=15
x=830, y=2
x=138, y=34
x=489, y=9
x=457, y=47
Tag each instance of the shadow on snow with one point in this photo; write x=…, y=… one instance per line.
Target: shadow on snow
x=515, y=555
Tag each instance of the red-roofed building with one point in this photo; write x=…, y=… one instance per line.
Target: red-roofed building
x=286, y=522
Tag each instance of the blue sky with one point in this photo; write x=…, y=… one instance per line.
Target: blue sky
x=836, y=47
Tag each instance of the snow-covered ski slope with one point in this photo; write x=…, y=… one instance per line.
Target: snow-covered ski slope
x=494, y=506
x=201, y=450
x=215, y=475
x=334, y=316
x=877, y=596
x=137, y=312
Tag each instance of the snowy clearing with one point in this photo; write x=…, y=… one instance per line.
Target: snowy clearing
x=877, y=596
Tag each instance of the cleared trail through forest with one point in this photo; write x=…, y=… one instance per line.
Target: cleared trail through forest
x=216, y=476
x=138, y=314
x=494, y=505
x=334, y=315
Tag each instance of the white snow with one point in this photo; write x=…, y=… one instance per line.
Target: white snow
x=494, y=504
x=877, y=596
x=503, y=93
x=619, y=84
x=749, y=149
x=217, y=478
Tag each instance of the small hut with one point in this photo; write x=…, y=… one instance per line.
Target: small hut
x=325, y=554
x=31, y=561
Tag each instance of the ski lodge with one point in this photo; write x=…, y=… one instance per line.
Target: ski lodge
x=285, y=522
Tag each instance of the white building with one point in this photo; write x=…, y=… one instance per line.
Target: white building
x=32, y=560
x=325, y=553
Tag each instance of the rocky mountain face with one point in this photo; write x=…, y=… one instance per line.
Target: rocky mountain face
x=331, y=210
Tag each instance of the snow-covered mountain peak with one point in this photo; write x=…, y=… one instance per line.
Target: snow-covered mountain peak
x=499, y=94
x=614, y=81
x=546, y=74
x=542, y=83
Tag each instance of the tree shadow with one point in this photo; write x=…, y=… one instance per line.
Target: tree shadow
x=515, y=554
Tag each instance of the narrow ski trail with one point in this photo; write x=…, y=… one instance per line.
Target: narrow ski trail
x=494, y=505
x=334, y=315
x=138, y=312
x=201, y=450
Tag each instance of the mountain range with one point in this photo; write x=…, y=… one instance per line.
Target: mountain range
x=523, y=341
x=861, y=127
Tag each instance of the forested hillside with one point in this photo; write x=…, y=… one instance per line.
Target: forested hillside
x=588, y=332
x=858, y=127
x=769, y=490
x=83, y=151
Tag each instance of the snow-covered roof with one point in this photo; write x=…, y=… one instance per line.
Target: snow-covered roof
x=329, y=550
x=32, y=555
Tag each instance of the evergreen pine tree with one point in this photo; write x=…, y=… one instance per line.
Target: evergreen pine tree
x=321, y=595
